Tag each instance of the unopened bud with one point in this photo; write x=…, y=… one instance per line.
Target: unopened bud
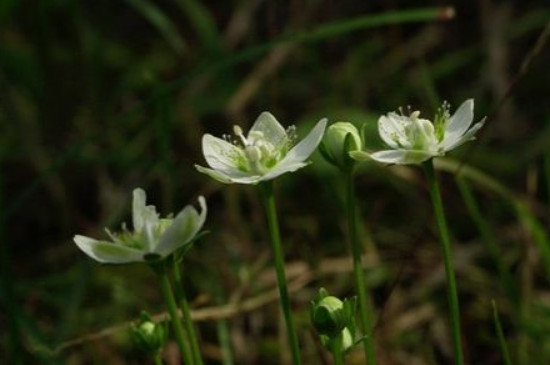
x=148, y=335
x=334, y=143
x=328, y=316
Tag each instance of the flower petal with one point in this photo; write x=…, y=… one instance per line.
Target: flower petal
x=145, y=218
x=459, y=123
x=107, y=252
x=139, y=209
x=283, y=167
x=270, y=128
x=306, y=146
x=294, y=159
x=183, y=229
x=391, y=130
x=468, y=136
x=220, y=154
x=401, y=157
x=237, y=177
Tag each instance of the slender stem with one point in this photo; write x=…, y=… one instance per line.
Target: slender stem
x=447, y=258
x=157, y=358
x=268, y=199
x=222, y=327
x=184, y=306
x=358, y=273
x=500, y=334
x=173, y=310
x=337, y=353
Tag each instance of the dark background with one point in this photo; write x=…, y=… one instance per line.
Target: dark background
x=99, y=97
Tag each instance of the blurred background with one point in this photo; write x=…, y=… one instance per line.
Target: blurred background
x=99, y=97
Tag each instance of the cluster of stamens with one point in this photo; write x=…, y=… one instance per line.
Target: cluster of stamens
x=441, y=118
x=260, y=153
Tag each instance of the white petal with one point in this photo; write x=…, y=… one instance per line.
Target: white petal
x=459, y=123
x=107, y=252
x=306, y=146
x=401, y=157
x=220, y=154
x=145, y=217
x=390, y=129
x=283, y=167
x=468, y=136
x=183, y=229
x=294, y=159
x=237, y=178
x=271, y=129
x=139, y=210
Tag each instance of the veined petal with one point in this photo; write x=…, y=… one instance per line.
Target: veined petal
x=401, y=157
x=145, y=218
x=271, y=129
x=390, y=130
x=306, y=146
x=220, y=154
x=468, y=136
x=283, y=167
x=107, y=252
x=459, y=123
x=139, y=209
x=183, y=229
x=238, y=177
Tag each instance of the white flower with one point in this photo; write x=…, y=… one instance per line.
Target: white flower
x=414, y=140
x=265, y=153
x=152, y=237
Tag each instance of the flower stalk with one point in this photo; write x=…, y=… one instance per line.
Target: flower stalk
x=268, y=200
x=186, y=313
x=358, y=272
x=447, y=258
x=157, y=359
x=337, y=352
x=162, y=273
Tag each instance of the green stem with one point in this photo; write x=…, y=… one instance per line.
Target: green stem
x=447, y=258
x=268, y=199
x=500, y=334
x=337, y=353
x=358, y=274
x=157, y=358
x=222, y=327
x=173, y=310
x=184, y=306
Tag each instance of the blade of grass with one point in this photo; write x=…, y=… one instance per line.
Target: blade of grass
x=546, y=159
x=488, y=236
x=524, y=214
x=202, y=22
x=318, y=34
x=500, y=334
x=161, y=22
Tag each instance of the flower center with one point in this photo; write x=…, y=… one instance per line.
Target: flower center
x=260, y=152
x=442, y=117
x=418, y=133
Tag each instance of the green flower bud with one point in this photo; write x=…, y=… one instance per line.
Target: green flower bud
x=148, y=335
x=328, y=316
x=340, y=139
